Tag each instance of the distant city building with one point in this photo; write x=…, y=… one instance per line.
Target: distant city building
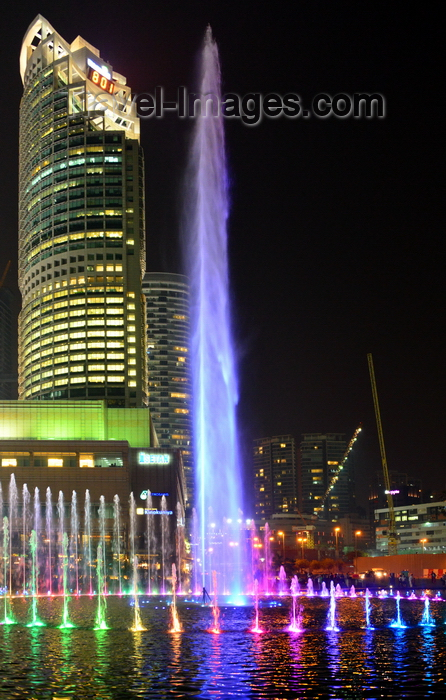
x=320, y=457
x=6, y=344
x=77, y=445
x=420, y=528
x=169, y=369
x=405, y=489
x=81, y=226
x=275, y=477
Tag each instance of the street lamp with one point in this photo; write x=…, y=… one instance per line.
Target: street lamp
x=423, y=543
x=358, y=533
x=282, y=535
x=337, y=531
x=302, y=541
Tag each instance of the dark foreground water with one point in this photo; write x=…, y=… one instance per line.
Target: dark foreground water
x=47, y=662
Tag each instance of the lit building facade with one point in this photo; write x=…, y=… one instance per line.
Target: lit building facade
x=169, y=370
x=81, y=226
x=6, y=344
x=275, y=478
x=320, y=457
x=77, y=445
x=420, y=527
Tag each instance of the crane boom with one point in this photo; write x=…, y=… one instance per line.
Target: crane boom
x=392, y=536
x=341, y=465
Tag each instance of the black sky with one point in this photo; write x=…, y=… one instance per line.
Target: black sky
x=336, y=237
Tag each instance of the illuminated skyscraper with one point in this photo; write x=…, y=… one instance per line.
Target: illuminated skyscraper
x=169, y=372
x=81, y=230
x=6, y=344
x=320, y=457
x=275, y=478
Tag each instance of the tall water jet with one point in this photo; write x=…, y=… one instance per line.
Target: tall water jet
x=368, y=610
x=49, y=536
x=137, y=623
x=213, y=365
x=101, y=623
x=195, y=552
x=176, y=625
x=164, y=542
x=74, y=541
x=37, y=523
x=256, y=627
x=102, y=538
x=117, y=542
x=61, y=516
x=398, y=621
x=35, y=622
x=179, y=533
x=87, y=542
x=427, y=620
x=282, y=581
x=26, y=498
x=66, y=622
x=151, y=540
x=8, y=618
x=12, y=524
x=296, y=619
x=215, y=629
x=267, y=562
x=331, y=615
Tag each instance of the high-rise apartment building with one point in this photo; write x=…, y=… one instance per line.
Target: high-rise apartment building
x=6, y=344
x=81, y=235
x=275, y=482
x=321, y=455
x=169, y=369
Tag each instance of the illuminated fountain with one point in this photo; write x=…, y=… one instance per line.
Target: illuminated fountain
x=368, y=610
x=213, y=363
x=427, y=620
x=175, y=620
x=256, y=627
x=66, y=622
x=296, y=619
x=398, y=622
x=331, y=615
x=215, y=629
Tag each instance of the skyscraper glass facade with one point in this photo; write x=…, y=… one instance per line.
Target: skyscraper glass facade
x=6, y=344
x=81, y=230
x=169, y=371
x=275, y=478
x=320, y=457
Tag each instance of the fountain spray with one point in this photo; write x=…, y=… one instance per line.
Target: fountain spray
x=176, y=626
x=101, y=623
x=66, y=623
x=212, y=356
x=8, y=618
x=35, y=622
x=215, y=629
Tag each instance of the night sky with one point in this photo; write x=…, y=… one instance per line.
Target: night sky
x=336, y=243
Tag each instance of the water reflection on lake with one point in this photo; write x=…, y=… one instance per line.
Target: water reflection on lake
x=46, y=662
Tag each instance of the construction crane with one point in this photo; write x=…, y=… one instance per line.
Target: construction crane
x=392, y=534
x=341, y=464
x=5, y=272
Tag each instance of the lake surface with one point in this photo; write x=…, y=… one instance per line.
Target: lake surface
x=48, y=663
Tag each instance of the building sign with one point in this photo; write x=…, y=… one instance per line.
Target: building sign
x=143, y=495
x=153, y=458
x=152, y=511
x=101, y=81
x=392, y=493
